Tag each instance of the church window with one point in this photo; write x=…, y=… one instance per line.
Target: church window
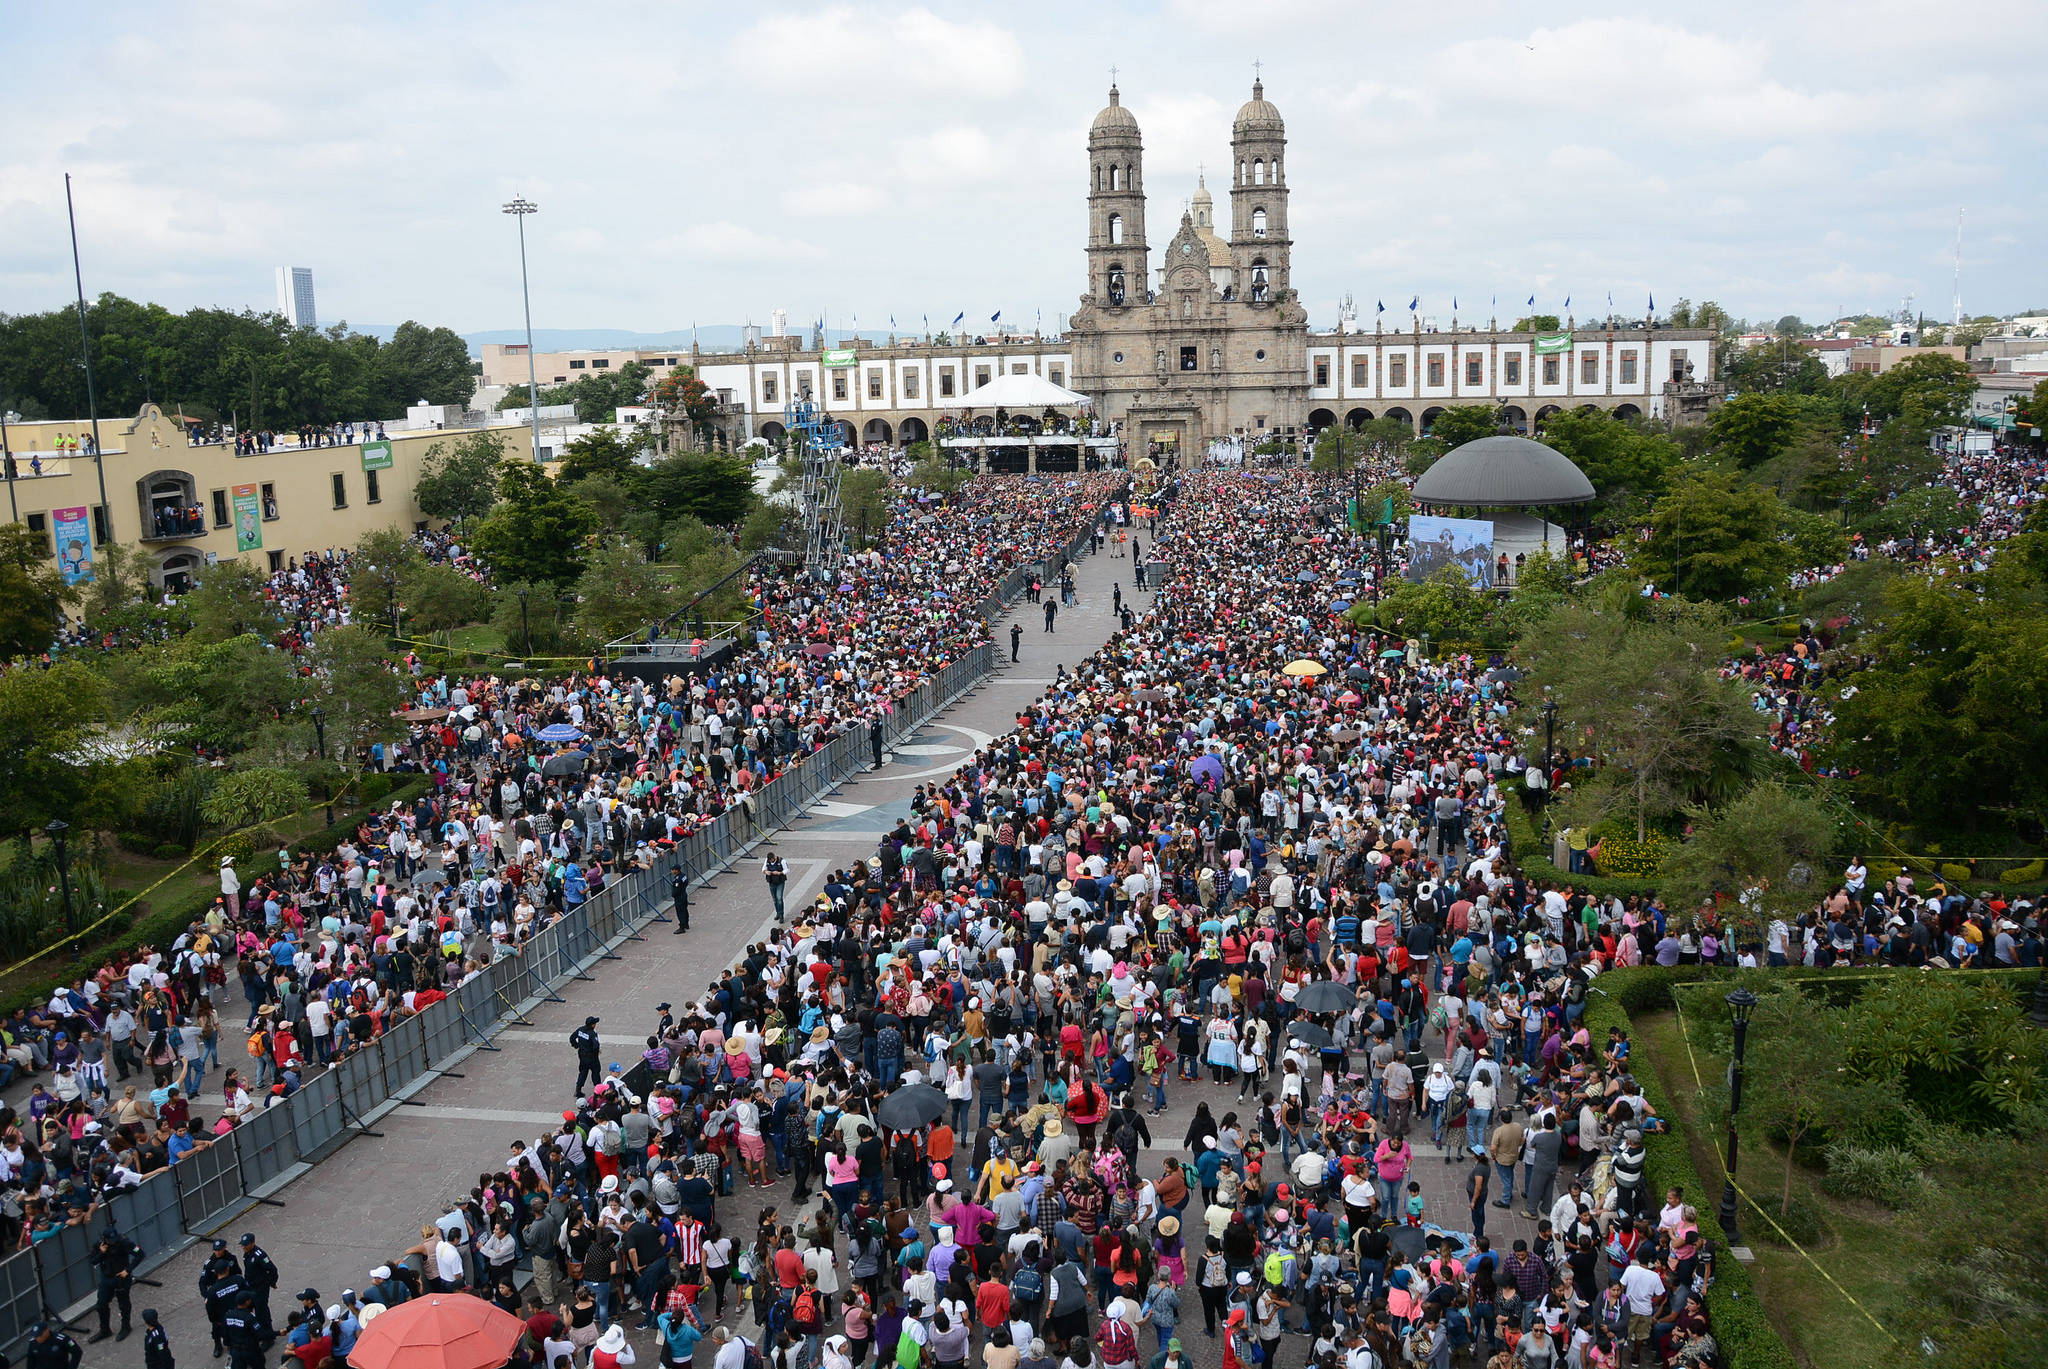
x=1258, y=172
x=874, y=384
x=1114, y=177
x=1475, y=370
x=1512, y=367
x=1628, y=368
x=1678, y=363
x=1058, y=374
x=1322, y=371
x=1397, y=372
x=1118, y=358
x=1436, y=368
x=980, y=376
x=1116, y=229
x=910, y=385
x=945, y=382
x=767, y=389
x=1258, y=223
x=1259, y=283
x=1358, y=371
x=1550, y=370
x=1242, y=179
x=1190, y=358
x=839, y=385
x=1589, y=368
x=1116, y=283
x=1259, y=355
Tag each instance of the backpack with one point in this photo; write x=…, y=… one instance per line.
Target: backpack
x=259, y=1044
x=805, y=1313
x=751, y=1355
x=1028, y=1285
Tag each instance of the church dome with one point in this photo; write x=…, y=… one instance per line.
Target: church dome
x=1258, y=112
x=1114, y=117
x=1204, y=210
x=1505, y=470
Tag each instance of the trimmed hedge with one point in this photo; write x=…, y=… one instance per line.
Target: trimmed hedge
x=158, y=926
x=1745, y=1334
x=1532, y=855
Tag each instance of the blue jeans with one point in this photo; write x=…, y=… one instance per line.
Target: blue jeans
x=1507, y=1182
x=1476, y=1122
x=603, y=1293
x=889, y=1069
x=1390, y=1199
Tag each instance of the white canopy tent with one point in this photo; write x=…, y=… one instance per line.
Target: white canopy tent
x=1022, y=393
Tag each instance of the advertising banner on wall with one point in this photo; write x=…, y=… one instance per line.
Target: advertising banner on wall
x=1461, y=544
x=73, y=531
x=248, y=519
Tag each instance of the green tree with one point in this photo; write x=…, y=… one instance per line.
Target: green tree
x=864, y=504
x=247, y=797
x=358, y=688
x=214, y=694
x=1713, y=537
x=1620, y=460
x=44, y=713
x=536, y=531
x=460, y=483
x=1445, y=607
x=1975, y=1275
x=1538, y=323
x=1751, y=429
x=1957, y=690
x=384, y=558
x=32, y=593
x=529, y=619
x=229, y=600
x=425, y=364
x=1926, y=391
x=936, y=474
x=1783, y=367
x=1387, y=436
x=620, y=591
x=717, y=489
x=436, y=597
x=1796, y=1082
x=120, y=579
x=1922, y=510
x=1337, y=450
x=607, y=450
x=1644, y=685
x=1748, y=849
x=1462, y=423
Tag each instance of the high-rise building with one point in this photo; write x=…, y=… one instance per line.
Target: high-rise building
x=295, y=296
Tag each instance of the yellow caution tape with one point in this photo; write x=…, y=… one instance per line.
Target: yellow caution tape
x=1722, y=1160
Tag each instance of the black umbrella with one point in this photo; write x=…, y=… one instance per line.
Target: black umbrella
x=1358, y=672
x=910, y=1107
x=568, y=763
x=1325, y=995
x=1309, y=1034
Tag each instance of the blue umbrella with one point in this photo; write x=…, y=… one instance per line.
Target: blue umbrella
x=1208, y=767
x=558, y=732
x=1339, y=605
x=1306, y=577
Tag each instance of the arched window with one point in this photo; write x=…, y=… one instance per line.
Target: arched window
x=1116, y=283
x=1260, y=286
x=1241, y=177
x=1258, y=172
x=1114, y=176
x=1276, y=171
x=1258, y=223
x=1116, y=229
x=1098, y=178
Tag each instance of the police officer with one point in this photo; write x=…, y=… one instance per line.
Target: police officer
x=50, y=1348
x=588, y=1051
x=245, y=1330
x=156, y=1346
x=220, y=1283
x=113, y=1260
x=679, y=889
x=259, y=1273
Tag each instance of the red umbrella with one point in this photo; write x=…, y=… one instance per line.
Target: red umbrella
x=441, y=1331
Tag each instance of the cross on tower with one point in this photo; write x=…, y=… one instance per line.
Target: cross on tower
x=1112, y=78
x=1258, y=69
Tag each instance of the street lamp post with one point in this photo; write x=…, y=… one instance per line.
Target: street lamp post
x=1741, y=1002
x=56, y=830
x=320, y=736
x=525, y=627
x=519, y=209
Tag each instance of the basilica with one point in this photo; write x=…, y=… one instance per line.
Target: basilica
x=1215, y=342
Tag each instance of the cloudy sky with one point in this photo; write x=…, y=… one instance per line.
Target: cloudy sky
x=707, y=163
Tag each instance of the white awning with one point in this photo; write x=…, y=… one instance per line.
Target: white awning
x=1026, y=392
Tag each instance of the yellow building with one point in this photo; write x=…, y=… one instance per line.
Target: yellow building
x=186, y=507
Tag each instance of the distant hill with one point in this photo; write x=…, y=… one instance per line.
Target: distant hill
x=711, y=337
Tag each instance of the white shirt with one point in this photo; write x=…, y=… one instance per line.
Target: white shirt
x=1643, y=1287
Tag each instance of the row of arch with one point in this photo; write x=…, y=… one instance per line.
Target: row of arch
x=875, y=430
x=1513, y=415
x=1118, y=179
x=1255, y=173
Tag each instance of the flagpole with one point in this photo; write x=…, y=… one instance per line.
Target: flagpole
x=92, y=403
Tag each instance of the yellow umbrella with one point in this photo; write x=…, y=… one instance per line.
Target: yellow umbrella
x=1304, y=668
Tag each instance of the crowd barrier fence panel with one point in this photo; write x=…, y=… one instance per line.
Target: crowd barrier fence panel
x=444, y=1031
x=65, y=1263
x=405, y=1054
x=149, y=1215
x=21, y=1297
x=265, y=1146
x=209, y=1182
x=317, y=1120
x=358, y=1076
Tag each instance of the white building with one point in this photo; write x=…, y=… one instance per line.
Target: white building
x=295, y=296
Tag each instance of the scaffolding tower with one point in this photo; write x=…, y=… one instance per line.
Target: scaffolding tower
x=818, y=442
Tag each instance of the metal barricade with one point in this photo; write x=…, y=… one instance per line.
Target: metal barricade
x=444, y=1031
x=317, y=1121
x=265, y=1146
x=405, y=1054
x=65, y=1261
x=358, y=1075
x=21, y=1298
x=149, y=1215
x=209, y=1182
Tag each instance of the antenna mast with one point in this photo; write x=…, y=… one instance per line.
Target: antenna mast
x=1958, y=319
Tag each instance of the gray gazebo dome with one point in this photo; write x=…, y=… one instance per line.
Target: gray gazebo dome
x=1503, y=470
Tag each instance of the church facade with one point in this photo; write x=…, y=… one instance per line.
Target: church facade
x=1215, y=342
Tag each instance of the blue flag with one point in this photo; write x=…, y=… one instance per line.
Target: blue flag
x=1413, y=302
x=1454, y=304
x=1567, y=302
x=1653, y=305
x=959, y=316
x=996, y=317
x=892, y=323
x=1383, y=307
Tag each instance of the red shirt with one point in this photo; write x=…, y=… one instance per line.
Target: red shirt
x=992, y=1303
x=789, y=1268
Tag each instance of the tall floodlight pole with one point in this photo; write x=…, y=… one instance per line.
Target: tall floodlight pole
x=519, y=209
x=92, y=404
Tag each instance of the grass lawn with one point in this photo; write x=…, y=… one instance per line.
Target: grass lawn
x=480, y=638
x=1860, y=1251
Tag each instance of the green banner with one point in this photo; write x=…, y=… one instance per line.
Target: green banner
x=840, y=356
x=248, y=519
x=1547, y=343
x=376, y=456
